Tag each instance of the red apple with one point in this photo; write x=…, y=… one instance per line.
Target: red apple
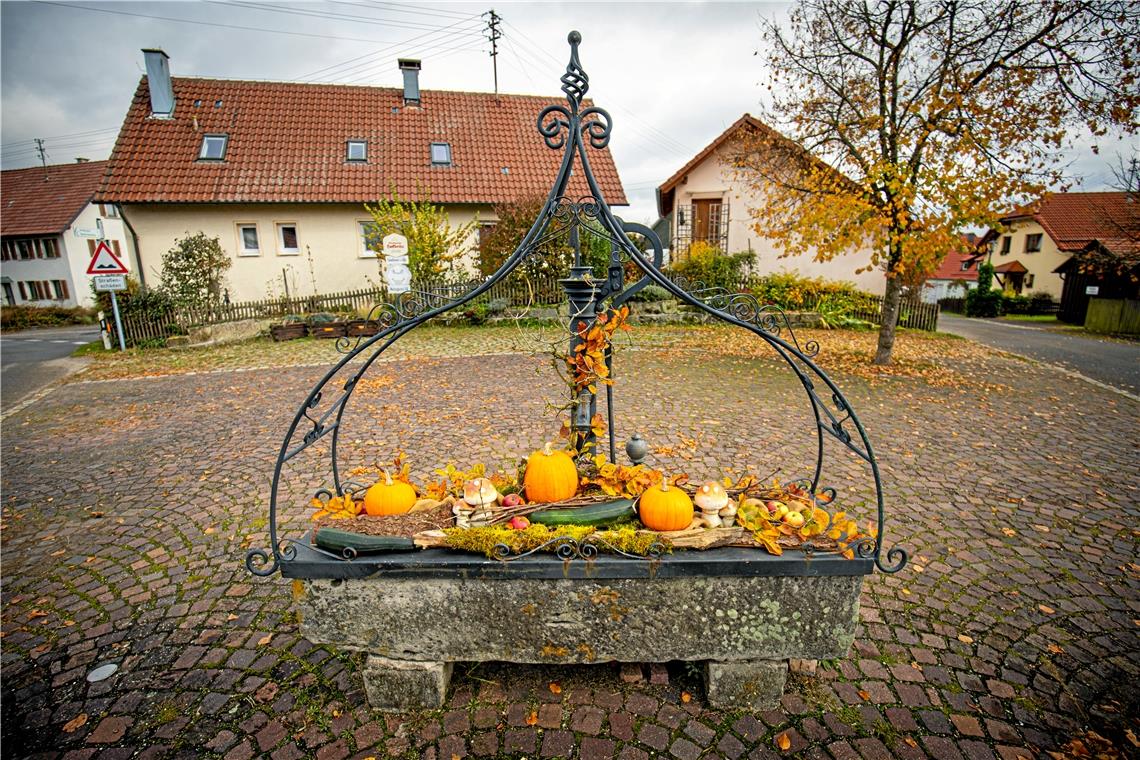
x=518, y=522
x=512, y=500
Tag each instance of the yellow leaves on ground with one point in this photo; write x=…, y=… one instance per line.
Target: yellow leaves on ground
x=265, y=640
x=965, y=639
x=336, y=507
x=686, y=697
x=784, y=742
x=555, y=688
x=1046, y=609
x=532, y=719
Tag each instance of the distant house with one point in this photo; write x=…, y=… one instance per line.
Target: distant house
x=279, y=171
x=43, y=261
x=958, y=272
x=704, y=201
x=1040, y=247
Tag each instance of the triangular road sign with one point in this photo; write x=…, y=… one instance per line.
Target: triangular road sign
x=105, y=261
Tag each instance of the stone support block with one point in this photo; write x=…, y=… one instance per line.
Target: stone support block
x=745, y=685
x=399, y=685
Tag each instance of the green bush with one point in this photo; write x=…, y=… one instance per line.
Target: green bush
x=984, y=301
x=22, y=317
x=1042, y=303
x=712, y=267
x=651, y=294
x=1014, y=304
x=794, y=293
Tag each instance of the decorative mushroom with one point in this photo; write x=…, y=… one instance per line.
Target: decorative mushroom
x=711, y=498
x=482, y=496
x=728, y=514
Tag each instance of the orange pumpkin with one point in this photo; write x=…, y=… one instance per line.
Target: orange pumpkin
x=665, y=508
x=389, y=497
x=550, y=476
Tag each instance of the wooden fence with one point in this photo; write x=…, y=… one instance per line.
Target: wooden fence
x=144, y=330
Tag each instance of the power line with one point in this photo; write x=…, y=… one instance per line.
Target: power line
x=322, y=72
x=60, y=137
x=207, y=23
x=324, y=14
x=400, y=8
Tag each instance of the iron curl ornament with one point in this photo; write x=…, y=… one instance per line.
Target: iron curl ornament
x=571, y=128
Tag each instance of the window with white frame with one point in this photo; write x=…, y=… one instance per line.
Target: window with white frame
x=357, y=151
x=369, y=238
x=213, y=147
x=248, y=242
x=441, y=154
x=287, y=242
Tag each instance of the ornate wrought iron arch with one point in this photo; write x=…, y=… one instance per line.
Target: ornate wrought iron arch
x=568, y=128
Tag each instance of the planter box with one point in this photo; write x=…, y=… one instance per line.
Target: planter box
x=288, y=331
x=362, y=328
x=741, y=612
x=328, y=330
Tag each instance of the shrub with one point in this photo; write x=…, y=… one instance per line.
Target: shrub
x=1014, y=304
x=1041, y=303
x=709, y=265
x=983, y=303
x=651, y=294
x=791, y=292
x=23, y=317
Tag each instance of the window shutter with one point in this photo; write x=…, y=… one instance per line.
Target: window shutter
x=102, y=210
x=66, y=292
x=91, y=246
x=115, y=246
x=23, y=293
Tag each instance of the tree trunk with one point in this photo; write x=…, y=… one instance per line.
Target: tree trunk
x=891, y=299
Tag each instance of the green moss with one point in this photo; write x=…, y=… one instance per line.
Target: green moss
x=484, y=540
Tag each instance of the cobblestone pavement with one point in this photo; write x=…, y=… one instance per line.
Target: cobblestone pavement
x=128, y=505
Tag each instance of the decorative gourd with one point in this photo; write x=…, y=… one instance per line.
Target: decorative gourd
x=389, y=497
x=665, y=508
x=550, y=476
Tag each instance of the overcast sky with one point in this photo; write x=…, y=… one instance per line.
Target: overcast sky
x=672, y=75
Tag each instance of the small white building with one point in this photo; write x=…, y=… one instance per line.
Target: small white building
x=48, y=232
x=704, y=201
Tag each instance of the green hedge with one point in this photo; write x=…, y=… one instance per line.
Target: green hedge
x=22, y=317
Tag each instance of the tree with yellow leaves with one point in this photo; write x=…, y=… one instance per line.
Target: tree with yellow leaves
x=913, y=119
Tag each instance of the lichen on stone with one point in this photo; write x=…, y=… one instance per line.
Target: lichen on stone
x=483, y=540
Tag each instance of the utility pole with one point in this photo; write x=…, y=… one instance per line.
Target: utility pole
x=43, y=154
x=493, y=34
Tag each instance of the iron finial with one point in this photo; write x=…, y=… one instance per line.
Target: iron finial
x=575, y=83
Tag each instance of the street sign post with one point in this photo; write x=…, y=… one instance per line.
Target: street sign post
x=107, y=268
x=396, y=273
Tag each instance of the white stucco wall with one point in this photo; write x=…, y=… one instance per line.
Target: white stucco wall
x=1040, y=263
x=328, y=237
x=71, y=266
x=713, y=178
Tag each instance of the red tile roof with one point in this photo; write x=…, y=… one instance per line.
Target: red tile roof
x=31, y=204
x=1012, y=266
x=287, y=144
x=951, y=266
x=1073, y=220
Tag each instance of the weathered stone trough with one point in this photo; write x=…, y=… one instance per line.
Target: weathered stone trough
x=741, y=612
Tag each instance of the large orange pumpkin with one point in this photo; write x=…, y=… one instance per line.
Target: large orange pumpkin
x=550, y=476
x=389, y=497
x=665, y=508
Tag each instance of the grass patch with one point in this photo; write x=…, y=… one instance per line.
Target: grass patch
x=1039, y=318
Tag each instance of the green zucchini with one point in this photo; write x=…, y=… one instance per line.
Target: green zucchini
x=345, y=542
x=605, y=513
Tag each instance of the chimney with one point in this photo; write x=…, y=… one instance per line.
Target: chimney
x=411, y=69
x=81, y=160
x=158, y=80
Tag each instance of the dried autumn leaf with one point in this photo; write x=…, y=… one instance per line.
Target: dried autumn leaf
x=36, y=613
x=965, y=639
x=532, y=719
x=1053, y=648
x=686, y=697
x=264, y=640
x=1046, y=609
x=783, y=741
x=75, y=723
x=910, y=742
x=1009, y=531
x=865, y=696
x=555, y=688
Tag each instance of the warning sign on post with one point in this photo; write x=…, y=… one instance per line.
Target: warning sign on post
x=104, y=261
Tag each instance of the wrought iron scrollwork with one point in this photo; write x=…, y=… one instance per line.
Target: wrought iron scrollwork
x=570, y=128
x=567, y=549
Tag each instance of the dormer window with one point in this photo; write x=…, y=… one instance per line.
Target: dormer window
x=441, y=154
x=214, y=147
x=356, y=150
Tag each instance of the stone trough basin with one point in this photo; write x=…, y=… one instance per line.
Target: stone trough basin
x=741, y=612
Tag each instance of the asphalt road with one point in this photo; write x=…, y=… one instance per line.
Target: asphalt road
x=1112, y=362
x=31, y=359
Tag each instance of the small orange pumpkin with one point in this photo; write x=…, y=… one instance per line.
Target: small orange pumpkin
x=550, y=476
x=665, y=508
x=389, y=497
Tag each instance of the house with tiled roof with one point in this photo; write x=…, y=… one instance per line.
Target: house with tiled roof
x=280, y=172
x=705, y=201
x=49, y=227
x=958, y=272
x=1039, y=245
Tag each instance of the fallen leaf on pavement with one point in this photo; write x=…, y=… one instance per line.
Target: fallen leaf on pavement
x=73, y=724
x=532, y=719
x=864, y=695
x=1046, y=609
x=264, y=640
x=1055, y=649
x=965, y=639
x=555, y=688
x=686, y=697
x=783, y=742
